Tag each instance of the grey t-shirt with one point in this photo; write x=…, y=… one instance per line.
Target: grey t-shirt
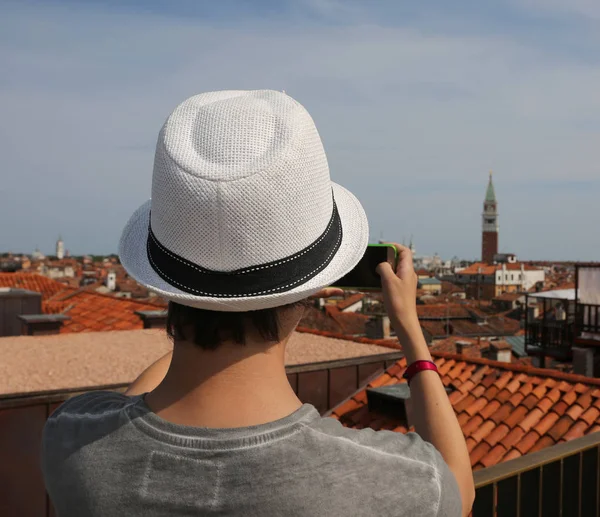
x=106, y=454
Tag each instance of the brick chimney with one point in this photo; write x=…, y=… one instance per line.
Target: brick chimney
x=501, y=351
x=583, y=361
x=378, y=327
x=42, y=324
x=467, y=349
x=153, y=319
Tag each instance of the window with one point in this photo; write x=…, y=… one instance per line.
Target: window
x=512, y=277
x=489, y=221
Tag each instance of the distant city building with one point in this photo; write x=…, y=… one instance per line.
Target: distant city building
x=487, y=281
x=37, y=255
x=111, y=281
x=60, y=249
x=505, y=258
x=490, y=228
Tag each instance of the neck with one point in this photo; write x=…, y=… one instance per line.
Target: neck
x=233, y=386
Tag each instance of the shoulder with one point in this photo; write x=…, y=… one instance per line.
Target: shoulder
x=90, y=404
x=85, y=418
x=410, y=446
x=405, y=462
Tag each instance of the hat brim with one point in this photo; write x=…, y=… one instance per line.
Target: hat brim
x=355, y=237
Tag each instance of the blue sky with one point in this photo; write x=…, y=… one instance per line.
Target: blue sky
x=415, y=102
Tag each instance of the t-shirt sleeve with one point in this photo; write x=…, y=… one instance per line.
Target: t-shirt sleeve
x=418, y=462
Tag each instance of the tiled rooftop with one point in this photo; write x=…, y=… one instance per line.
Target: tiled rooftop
x=442, y=311
x=481, y=268
x=505, y=410
x=88, y=359
x=32, y=282
x=89, y=311
x=492, y=326
x=94, y=312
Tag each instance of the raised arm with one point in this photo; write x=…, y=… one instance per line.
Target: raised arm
x=433, y=415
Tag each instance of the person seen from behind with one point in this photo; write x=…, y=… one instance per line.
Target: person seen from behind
x=244, y=225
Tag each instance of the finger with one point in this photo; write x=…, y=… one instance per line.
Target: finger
x=328, y=292
x=404, y=264
x=385, y=271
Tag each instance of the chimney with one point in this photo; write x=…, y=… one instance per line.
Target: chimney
x=42, y=324
x=153, y=319
x=583, y=361
x=392, y=401
x=467, y=349
x=14, y=303
x=378, y=327
x=501, y=351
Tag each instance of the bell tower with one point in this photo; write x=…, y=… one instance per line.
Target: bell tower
x=490, y=228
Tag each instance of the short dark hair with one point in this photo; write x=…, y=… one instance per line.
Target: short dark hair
x=209, y=329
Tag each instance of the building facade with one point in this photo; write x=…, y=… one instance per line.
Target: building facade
x=490, y=228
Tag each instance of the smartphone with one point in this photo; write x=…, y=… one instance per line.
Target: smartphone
x=364, y=277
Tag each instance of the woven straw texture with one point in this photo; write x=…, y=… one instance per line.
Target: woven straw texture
x=241, y=178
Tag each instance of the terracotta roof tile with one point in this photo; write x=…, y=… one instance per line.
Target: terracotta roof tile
x=513, y=437
x=503, y=396
x=516, y=416
x=494, y=456
x=574, y=411
x=527, y=442
x=540, y=391
x=532, y=418
x=546, y=423
x=505, y=410
x=502, y=414
x=471, y=443
x=513, y=385
x=557, y=431
x=464, y=403
x=463, y=418
x=591, y=415
x=472, y=425
x=530, y=401
x=570, y=397
x=516, y=399
x=543, y=442
x=554, y=395
x=484, y=429
x=576, y=431
x=545, y=404
x=456, y=396
x=479, y=452
x=480, y=390
x=503, y=380
x=477, y=406
x=497, y=434
x=491, y=392
x=490, y=409
x=511, y=455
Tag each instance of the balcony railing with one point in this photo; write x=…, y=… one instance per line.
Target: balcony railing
x=549, y=337
x=588, y=319
x=560, y=481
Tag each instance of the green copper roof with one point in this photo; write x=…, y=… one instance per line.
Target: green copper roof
x=490, y=195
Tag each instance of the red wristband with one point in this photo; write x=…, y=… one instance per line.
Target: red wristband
x=418, y=366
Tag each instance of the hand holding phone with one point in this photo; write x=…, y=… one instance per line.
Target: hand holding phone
x=364, y=276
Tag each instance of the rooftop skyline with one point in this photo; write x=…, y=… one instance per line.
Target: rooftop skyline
x=414, y=102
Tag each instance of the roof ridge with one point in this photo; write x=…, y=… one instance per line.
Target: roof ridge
x=345, y=337
x=529, y=370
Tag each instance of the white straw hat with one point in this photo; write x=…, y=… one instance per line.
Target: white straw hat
x=243, y=214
